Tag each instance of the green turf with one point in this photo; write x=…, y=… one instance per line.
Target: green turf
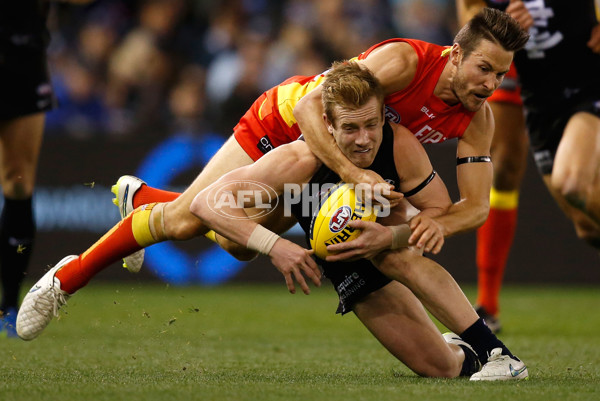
x=152, y=342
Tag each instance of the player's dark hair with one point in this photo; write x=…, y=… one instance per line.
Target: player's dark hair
x=493, y=25
x=349, y=85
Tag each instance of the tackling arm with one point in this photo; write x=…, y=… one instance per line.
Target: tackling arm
x=426, y=192
x=221, y=206
x=474, y=177
x=394, y=65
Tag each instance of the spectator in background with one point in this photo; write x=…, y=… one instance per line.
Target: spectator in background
x=143, y=66
x=429, y=20
x=187, y=102
x=136, y=51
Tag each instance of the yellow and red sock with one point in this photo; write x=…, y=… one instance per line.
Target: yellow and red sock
x=129, y=235
x=494, y=240
x=146, y=194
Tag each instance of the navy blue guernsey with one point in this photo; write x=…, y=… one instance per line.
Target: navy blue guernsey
x=325, y=178
x=355, y=279
x=557, y=42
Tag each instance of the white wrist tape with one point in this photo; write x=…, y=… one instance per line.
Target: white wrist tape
x=262, y=240
x=400, y=236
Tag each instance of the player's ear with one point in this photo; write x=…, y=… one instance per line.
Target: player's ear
x=456, y=54
x=328, y=124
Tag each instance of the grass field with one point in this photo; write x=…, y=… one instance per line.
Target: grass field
x=155, y=342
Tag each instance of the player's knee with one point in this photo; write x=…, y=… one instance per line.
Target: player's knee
x=440, y=368
x=588, y=233
x=396, y=265
x=572, y=186
x=17, y=188
x=507, y=177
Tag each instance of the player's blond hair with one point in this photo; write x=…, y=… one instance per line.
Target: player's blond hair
x=349, y=85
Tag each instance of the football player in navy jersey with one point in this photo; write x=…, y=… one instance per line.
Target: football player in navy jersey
x=563, y=120
x=25, y=97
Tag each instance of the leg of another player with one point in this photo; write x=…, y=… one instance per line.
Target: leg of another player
x=151, y=223
x=509, y=152
x=576, y=171
x=20, y=143
x=179, y=222
x=398, y=320
x=585, y=228
x=230, y=156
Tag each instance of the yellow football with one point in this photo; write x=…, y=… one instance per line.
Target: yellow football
x=329, y=225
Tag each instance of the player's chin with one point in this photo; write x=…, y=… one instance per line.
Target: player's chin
x=476, y=102
x=363, y=159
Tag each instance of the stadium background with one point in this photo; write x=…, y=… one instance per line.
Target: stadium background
x=152, y=88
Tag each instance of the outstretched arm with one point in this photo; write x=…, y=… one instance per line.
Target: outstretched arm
x=309, y=115
x=221, y=206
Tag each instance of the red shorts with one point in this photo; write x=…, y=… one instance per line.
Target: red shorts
x=262, y=129
x=510, y=89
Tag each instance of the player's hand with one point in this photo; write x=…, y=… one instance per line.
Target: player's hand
x=594, y=42
x=427, y=234
x=517, y=10
x=292, y=261
x=372, y=189
x=373, y=239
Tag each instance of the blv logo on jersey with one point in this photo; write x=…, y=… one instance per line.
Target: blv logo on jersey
x=176, y=155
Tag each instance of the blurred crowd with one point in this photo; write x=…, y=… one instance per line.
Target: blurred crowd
x=126, y=67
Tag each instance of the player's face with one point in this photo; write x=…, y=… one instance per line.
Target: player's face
x=358, y=132
x=480, y=73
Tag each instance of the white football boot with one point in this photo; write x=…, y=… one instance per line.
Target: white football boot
x=124, y=190
x=42, y=303
x=452, y=338
x=501, y=367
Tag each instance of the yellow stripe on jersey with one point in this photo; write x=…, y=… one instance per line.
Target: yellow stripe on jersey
x=260, y=109
x=504, y=200
x=597, y=2
x=446, y=52
x=289, y=95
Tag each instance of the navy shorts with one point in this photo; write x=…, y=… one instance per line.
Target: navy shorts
x=353, y=281
x=25, y=80
x=547, y=124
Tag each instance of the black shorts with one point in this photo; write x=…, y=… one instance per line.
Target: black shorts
x=353, y=281
x=547, y=124
x=24, y=79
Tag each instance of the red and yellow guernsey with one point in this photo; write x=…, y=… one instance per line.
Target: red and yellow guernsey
x=427, y=116
x=270, y=120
